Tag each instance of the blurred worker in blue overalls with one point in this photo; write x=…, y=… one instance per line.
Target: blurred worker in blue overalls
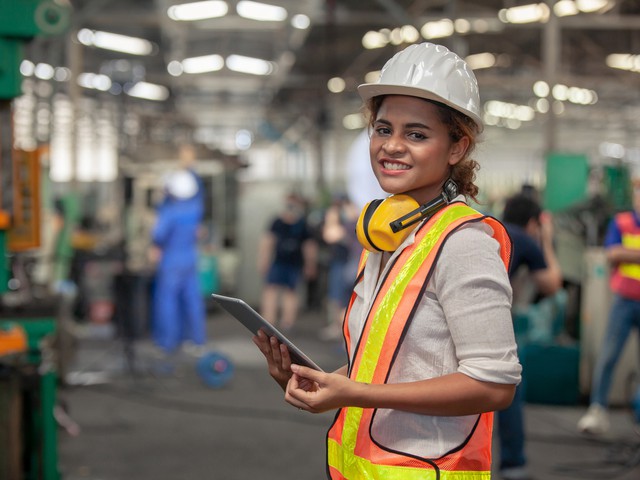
x=178, y=307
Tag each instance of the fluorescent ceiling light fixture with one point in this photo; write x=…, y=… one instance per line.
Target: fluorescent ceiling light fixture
x=624, y=61
x=373, y=39
x=44, y=71
x=253, y=66
x=481, y=60
x=261, y=11
x=336, y=85
x=148, y=91
x=499, y=109
x=564, y=8
x=203, y=64
x=115, y=42
x=27, y=68
x=353, y=121
x=372, y=77
x=590, y=6
x=534, y=12
x=577, y=95
x=95, y=81
x=189, y=12
x=462, y=25
x=541, y=89
x=300, y=21
x=440, y=29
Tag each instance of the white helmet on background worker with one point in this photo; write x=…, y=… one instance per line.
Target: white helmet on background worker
x=429, y=71
x=181, y=184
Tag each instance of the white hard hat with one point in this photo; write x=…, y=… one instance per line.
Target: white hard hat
x=181, y=184
x=430, y=71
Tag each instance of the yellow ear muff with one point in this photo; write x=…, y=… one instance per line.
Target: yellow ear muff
x=373, y=228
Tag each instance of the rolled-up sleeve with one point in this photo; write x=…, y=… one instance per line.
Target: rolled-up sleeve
x=473, y=288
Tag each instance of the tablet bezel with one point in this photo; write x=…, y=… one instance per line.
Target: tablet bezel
x=254, y=322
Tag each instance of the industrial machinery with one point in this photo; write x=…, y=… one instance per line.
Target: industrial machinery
x=28, y=445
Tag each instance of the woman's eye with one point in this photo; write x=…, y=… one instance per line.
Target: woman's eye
x=382, y=130
x=417, y=136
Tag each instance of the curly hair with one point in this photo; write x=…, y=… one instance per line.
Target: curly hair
x=459, y=126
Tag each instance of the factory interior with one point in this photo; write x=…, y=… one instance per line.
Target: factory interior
x=98, y=100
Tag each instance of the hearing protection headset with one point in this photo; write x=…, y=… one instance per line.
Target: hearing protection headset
x=382, y=225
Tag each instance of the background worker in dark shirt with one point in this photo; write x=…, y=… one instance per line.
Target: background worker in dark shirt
x=531, y=232
x=287, y=254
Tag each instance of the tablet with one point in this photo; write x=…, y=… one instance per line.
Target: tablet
x=251, y=319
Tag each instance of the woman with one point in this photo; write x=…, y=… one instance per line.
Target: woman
x=428, y=330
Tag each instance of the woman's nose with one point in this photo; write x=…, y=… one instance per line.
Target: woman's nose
x=393, y=144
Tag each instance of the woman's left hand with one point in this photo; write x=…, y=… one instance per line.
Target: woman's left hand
x=277, y=356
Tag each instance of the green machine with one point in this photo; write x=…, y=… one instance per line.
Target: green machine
x=20, y=22
x=27, y=375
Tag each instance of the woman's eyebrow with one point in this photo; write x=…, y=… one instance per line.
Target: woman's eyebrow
x=408, y=125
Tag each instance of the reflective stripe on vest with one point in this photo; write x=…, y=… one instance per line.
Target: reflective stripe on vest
x=625, y=278
x=351, y=452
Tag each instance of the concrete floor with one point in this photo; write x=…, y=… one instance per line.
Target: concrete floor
x=139, y=423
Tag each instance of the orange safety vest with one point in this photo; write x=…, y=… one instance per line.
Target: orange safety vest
x=625, y=277
x=351, y=452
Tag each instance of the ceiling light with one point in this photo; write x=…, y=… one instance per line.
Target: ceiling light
x=206, y=63
x=261, y=11
x=534, y=12
x=336, y=85
x=372, y=77
x=564, y=8
x=300, y=21
x=373, y=39
x=94, y=81
x=115, y=42
x=590, y=6
x=522, y=113
x=44, y=71
x=462, y=25
x=188, y=12
x=253, y=66
x=481, y=60
x=541, y=89
x=353, y=121
x=148, y=91
x=27, y=68
x=624, y=61
x=440, y=29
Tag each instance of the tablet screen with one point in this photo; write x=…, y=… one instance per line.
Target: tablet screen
x=254, y=322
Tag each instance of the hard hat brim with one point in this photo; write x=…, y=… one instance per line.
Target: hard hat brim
x=370, y=90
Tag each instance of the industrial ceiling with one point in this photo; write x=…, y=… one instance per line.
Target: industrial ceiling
x=571, y=50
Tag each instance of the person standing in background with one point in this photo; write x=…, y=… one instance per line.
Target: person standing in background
x=622, y=246
x=178, y=306
x=339, y=233
x=287, y=254
x=531, y=233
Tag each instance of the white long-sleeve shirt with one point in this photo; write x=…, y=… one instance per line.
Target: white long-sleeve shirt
x=463, y=324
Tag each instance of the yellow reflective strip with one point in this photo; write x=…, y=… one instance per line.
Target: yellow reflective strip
x=630, y=270
x=363, y=469
x=388, y=305
x=631, y=240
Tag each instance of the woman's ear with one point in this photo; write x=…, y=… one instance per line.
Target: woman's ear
x=458, y=150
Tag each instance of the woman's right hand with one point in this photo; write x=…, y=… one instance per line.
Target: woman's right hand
x=277, y=356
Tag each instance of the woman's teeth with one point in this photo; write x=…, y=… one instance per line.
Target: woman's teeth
x=395, y=166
